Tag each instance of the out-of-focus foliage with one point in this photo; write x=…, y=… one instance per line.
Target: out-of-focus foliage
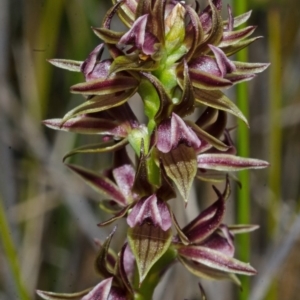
x=51, y=215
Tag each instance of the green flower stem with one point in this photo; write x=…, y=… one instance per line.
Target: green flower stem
x=148, y=286
x=11, y=255
x=275, y=141
x=243, y=204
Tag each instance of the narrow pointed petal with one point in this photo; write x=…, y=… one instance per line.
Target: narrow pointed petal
x=249, y=68
x=183, y=238
x=196, y=32
x=90, y=63
x=241, y=228
x=88, y=125
x=100, y=103
x=107, y=35
x=215, y=260
x=216, y=32
x=150, y=209
x=207, y=137
x=236, y=78
x=62, y=296
x=224, y=64
x=221, y=241
x=127, y=11
x=105, y=262
x=100, y=183
x=228, y=163
x=103, y=147
x=232, y=49
x=239, y=20
x=218, y=100
x=121, y=214
x=136, y=34
x=205, y=272
x=186, y=104
x=142, y=186
x=100, y=291
x=157, y=20
x=67, y=64
x=206, y=223
x=123, y=265
x=105, y=86
x=207, y=81
x=181, y=166
x=166, y=190
x=233, y=37
x=148, y=243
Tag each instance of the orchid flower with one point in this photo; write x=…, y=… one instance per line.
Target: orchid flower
x=176, y=57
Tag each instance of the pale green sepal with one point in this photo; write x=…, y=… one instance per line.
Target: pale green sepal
x=148, y=243
x=180, y=165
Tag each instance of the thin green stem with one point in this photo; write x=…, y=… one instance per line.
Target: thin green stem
x=11, y=255
x=275, y=141
x=243, y=204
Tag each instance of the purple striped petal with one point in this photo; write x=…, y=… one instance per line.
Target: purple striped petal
x=88, y=125
x=105, y=86
x=150, y=210
x=224, y=64
x=233, y=37
x=124, y=177
x=174, y=131
x=207, y=81
x=221, y=241
x=206, y=223
x=215, y=260
x=100, y=103
x=100, y=184
x=206, y=64
x=227, y=162
x=89, y=64
x=203, y=271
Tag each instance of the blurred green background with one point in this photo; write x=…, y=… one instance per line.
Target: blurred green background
x=48, y=216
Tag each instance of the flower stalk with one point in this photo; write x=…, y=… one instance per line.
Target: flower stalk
x=176, y=57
